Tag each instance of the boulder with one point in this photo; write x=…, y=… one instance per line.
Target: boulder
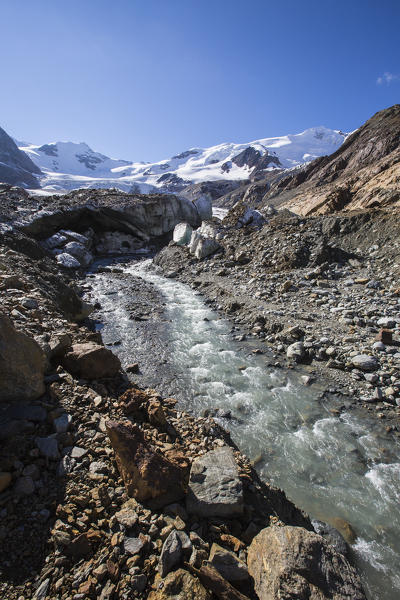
x=296, y=564
x=179, y=585
x=215, y=489
x=79, y=252
x=22, y=364
x=296, y=351
x=148, y=476
x=91, y=361
x=182, y=234
x=364, y=362
x=68, y=261
x=228, y=564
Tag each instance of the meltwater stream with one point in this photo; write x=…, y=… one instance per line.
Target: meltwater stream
x=334, y=467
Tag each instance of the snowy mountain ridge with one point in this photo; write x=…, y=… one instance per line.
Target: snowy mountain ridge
x=70, y=165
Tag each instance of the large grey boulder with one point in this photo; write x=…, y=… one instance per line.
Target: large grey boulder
x=296, y=564
x=215, y=489
x=22, y=364
x=364, y=362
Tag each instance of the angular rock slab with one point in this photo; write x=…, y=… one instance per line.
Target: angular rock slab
x=148, y=476
x=22, y=364
x=215, y=489
x=296, y=564
x=91, y=361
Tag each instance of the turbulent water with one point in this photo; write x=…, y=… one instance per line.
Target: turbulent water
x=334, y=467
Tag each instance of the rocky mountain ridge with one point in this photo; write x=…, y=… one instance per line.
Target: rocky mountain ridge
x=363, y=173
x=66, y=165
x=16, y=168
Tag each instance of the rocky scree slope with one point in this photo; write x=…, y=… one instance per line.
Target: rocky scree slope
x=111, y=492
x=363, y=173
x=320, y=291
x=16, y=168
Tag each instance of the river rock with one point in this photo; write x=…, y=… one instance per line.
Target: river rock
x=68, y=261
x=296, y=351
x=364, y=362
x=182, y=234
x=332, y=536
x=228, y=564
x=179, y=585
x=148, y=476
x=296, y=564
x=22, y=364
x=91, y=361
x=79, y=252
x=215, y=489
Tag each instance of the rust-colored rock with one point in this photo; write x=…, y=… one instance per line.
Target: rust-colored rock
x=384, y=336
x=148, y=476
x=91, y=361
x=296, y=564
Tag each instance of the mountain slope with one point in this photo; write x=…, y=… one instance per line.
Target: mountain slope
x=363, y=173
x=67, y=165
x=16, y=167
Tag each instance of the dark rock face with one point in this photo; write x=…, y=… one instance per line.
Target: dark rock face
x=16, y=167
x=292, y=563
x=22, y=364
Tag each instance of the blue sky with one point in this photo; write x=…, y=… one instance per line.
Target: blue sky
x=145, y=80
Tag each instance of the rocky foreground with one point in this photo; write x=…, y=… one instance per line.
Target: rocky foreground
x=108, y=491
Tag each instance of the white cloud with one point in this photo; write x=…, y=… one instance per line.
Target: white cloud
x=387, y=78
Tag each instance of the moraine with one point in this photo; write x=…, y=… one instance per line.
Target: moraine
x=340, y=469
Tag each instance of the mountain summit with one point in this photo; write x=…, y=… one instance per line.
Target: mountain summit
x=68, y=165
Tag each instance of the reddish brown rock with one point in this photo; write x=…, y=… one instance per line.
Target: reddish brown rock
x=148, y=476
x=384, y=336
x=91, y=361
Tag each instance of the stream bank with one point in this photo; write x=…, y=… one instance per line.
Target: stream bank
x=332, y=459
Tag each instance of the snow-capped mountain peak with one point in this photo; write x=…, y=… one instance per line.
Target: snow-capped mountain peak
x=69, y=165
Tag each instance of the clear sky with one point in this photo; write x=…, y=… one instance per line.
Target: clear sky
x=146, y=79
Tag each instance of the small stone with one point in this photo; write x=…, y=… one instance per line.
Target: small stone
x=296, y=351
x=62, y=423
x=24, y=486
x=132, y=368
x=385, y=336
x=48, y=446
x=78, y=452
x=133, y=545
